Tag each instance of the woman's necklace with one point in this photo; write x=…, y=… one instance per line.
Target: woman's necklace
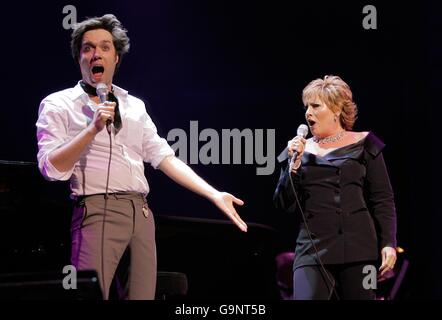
x=328, y=139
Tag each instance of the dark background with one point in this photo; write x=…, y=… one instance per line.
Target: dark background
x=238, y=64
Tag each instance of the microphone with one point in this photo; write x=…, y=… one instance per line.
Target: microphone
x=301, y=132
x=102, y=92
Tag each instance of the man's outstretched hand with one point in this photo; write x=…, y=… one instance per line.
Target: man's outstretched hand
x=224, y=201
x=185, y=176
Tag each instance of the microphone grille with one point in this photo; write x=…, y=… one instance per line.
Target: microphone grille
x=302, y=130
x=101, y=89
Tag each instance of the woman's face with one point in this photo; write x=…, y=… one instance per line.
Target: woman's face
x=321, y=119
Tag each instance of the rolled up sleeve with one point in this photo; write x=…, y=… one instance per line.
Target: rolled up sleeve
x=155, y=148
x=51, y=135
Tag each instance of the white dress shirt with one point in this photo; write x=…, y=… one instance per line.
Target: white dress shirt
x=64, y=114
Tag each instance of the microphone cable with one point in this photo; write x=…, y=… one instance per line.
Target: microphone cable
x=331, y=280
x=105, y=211
x=102, y=92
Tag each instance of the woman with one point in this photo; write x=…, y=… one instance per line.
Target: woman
x=344, y=194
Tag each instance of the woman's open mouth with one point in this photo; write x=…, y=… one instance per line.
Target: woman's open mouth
x=311, y=123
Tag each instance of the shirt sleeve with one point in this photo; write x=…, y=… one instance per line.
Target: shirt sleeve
x=51, y=134
x=155, y=148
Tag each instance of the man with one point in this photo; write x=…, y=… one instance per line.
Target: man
x=101, y=148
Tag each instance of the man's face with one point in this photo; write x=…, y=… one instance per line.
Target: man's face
x=98, y=57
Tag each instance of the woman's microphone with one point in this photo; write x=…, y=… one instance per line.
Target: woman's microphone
x=301, y=132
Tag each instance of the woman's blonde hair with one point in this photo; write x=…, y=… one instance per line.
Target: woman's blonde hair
x=336, y=94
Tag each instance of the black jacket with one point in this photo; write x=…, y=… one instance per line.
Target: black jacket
x=347, y=200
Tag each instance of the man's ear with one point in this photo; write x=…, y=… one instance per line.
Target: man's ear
x=117, y=58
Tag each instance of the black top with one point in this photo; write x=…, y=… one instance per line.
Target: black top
x=347, y=200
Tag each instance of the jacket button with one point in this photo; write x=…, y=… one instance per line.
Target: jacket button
x=340, y=231
x=338, y=211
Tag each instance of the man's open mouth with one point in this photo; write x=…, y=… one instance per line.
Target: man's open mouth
x=311, y=122
x=97, y=69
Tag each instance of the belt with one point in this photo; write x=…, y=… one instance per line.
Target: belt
x=125, y=194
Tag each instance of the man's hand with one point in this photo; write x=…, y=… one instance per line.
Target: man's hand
x=388, y=260
x=104, y=112
x=224, y=201
x=65, y=157
x=185, y=176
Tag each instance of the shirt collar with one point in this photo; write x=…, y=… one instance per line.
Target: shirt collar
x=78, y=92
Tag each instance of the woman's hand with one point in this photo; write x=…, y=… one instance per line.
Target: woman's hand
x=296, y=144
x=388, y=260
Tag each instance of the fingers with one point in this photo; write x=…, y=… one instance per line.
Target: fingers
x=108, y=104
x=384, y=260
x=296, y=144
x=229, y=210
x=383, y=269
x=106, y=112
x=388, y=264
x=389, y=258
x=104, y=116
x=235, y=218
x=388, y=261
x=237, y=201
x=233, y=215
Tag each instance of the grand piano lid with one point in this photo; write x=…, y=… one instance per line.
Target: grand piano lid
x=13, y=173
x=17, y=163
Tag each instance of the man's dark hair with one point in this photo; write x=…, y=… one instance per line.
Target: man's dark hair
x=107, y=22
